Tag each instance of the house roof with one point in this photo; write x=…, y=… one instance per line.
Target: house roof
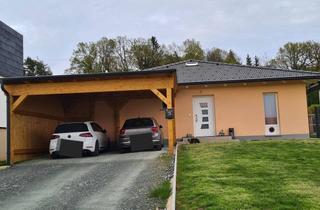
x=202, y=72
x=80, y=77
x=190, y=72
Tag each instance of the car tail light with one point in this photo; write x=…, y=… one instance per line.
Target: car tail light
x=55, y=136
x=154, y=129
x=85, y=135
x=122, y=131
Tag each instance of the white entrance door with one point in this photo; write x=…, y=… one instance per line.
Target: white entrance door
x=203, y=116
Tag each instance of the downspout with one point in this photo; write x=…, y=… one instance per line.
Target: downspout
x=8, y=122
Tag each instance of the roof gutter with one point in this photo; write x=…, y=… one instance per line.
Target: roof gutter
x=8, y=122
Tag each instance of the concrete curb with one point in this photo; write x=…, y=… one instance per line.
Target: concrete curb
x=171, y=203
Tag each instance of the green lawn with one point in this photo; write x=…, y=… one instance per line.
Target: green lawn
x=249, y=175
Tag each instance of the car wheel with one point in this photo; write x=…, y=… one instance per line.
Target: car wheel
x=159, y=147
x=54, y=156
x=96, y=149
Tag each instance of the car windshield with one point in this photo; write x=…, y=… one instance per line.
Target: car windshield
x=138, y=123
x=71, y=127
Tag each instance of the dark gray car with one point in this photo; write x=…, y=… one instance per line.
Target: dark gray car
x=137, y=126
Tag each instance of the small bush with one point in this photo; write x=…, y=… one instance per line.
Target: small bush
x=311, y=109
x=3, y=162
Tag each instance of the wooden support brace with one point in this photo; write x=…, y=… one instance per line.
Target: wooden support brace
x=160, y=95
x=18, y=102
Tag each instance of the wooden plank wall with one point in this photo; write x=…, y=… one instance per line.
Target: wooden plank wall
x=3, y=144
x=32, y=125
x=31, y=136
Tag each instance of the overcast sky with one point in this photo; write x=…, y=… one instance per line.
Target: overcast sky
x=52, y=28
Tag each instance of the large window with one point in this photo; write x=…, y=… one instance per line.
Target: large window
x=270, y=108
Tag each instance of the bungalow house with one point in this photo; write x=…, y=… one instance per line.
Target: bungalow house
x=204, y=99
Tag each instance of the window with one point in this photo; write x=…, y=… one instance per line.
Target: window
x=205, y=119
x=96, y=127
x=204, y=126
x=204, y=111
x=270, y=108
x=138, y=123
x=203, y=104
x=71, y=127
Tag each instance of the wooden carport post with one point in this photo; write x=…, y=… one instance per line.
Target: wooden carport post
x=171, y=122
x=14, y=105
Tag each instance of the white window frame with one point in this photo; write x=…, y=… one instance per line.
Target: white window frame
x=277, y=131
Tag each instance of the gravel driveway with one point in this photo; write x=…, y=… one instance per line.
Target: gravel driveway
x=109, y=181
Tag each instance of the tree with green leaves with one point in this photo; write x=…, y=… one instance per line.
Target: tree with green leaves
x=248, y=60
x=172, y=54
x=123, y=53
x=232, y=58
x=106, y=60
x=84, y=59
x=36, y=67
x=192, y=50
x=216, y=55
x=105, y=55
x=298, y=55
x=256, y=61
x=147, y=53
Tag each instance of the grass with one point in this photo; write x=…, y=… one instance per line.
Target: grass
x=249, y=175
x=162, y=192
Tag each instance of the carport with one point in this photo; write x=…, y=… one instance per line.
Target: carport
x=36, y=105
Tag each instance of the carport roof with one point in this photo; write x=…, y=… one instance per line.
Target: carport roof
x=204, y=72
x=80, y=77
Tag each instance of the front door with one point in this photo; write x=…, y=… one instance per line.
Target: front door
x=203, y=116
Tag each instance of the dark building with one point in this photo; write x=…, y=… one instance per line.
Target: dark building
x=11, y=52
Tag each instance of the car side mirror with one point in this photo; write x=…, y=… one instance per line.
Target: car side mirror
x=104, y=131
x=160, y=126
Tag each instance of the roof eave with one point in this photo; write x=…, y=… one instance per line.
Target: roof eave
x=250, y=80
x=72, y=77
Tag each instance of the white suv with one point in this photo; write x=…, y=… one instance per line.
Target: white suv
x=94, y=138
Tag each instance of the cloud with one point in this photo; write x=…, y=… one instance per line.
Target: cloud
x=52, y=29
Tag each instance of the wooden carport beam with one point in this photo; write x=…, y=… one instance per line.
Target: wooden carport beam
x=171, y=122
x=18, y=102
x=95, y=86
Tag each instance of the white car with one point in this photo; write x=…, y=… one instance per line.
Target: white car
x=94, y=138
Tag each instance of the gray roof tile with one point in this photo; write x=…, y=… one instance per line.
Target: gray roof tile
x=213, y=72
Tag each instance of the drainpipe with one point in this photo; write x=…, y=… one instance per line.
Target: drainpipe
x=8, y=122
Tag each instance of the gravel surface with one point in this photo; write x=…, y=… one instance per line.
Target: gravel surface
x=109, y=181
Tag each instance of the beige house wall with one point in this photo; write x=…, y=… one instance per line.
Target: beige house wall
x=235, y=106
x=147, y=107
x=241, y=107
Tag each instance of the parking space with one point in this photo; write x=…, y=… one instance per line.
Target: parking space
x=110, y=180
